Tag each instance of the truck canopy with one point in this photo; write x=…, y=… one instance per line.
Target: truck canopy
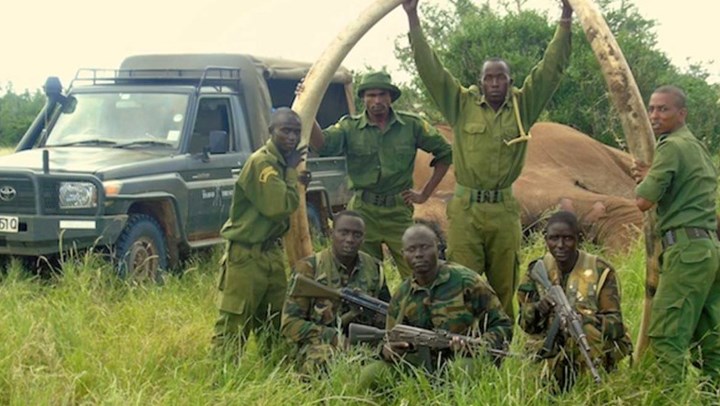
x=280, y=75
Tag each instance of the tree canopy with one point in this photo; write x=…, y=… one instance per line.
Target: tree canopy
x=17, y=112
x=466, y=34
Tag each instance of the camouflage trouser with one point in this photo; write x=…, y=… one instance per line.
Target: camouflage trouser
x=568, y=362
x=485, y=237
x=313, y=358
x=384, y=225
x=686, y=309
x=251, y=293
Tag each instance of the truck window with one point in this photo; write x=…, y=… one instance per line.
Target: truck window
x=121, y=118
x=213, y=115
x=333, y=106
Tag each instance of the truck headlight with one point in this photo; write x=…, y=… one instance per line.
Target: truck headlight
x=77, y=195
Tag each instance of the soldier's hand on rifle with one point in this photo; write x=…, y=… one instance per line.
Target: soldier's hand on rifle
x=296, y=156
x=392, y=351
x=457, y=344
x=545, y=306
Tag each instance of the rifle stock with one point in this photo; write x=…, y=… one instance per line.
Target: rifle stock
x=360, y=333
x=570, y=321
x=306, y=287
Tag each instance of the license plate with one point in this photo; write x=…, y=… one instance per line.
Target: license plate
x=9, y=224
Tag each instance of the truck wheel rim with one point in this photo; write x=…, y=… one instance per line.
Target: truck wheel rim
x=143, y=260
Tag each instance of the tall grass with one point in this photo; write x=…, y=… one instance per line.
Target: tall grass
x=85, y=337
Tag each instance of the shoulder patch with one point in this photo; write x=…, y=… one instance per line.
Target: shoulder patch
x=266, y=173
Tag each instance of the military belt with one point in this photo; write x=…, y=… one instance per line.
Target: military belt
x=488, y=196
x=379, y=200
x=483, y=196
x=676, y=235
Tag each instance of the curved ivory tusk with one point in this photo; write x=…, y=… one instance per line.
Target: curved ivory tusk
x=628, y=103
x=297, y=242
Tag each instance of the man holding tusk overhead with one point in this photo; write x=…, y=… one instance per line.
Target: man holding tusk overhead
x=489, y=121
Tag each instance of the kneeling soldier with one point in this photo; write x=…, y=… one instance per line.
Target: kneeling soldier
x=443, y=297
x=592, y=291
x=319, y=325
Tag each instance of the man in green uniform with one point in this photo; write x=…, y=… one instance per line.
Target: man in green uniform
x=682, y=183
x=439, y=296
x=252, y=281
x=380, y=146
x=591, y=287
x=319, y=325
x=489, y=122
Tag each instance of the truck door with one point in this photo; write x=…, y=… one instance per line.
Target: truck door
x=210, y=176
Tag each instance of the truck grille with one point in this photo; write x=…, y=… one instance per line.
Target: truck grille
x=17, y=195
x=49, y=189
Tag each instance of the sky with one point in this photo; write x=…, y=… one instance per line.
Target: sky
x=42, y=38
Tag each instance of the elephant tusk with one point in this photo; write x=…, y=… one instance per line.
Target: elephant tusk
x=628, y=103
x=297, y=241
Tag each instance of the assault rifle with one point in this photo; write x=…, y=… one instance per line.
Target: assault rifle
x=416, y=337
x=565, y=317
x=306, y=287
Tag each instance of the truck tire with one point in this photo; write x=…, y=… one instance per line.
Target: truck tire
x=141, y=250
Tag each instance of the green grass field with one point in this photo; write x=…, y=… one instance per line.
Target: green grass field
x=88, y=338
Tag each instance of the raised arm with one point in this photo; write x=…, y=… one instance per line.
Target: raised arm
x=545, y=77
x=444, y=89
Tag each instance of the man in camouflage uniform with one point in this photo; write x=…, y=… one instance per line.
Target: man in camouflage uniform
x=484, y=233
x=591, y=287
x=380, y=146
x=252, y=281
x=317, y=325
x=440, y=296
x=682, y=183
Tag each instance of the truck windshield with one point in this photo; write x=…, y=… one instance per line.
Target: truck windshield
x=147, y=119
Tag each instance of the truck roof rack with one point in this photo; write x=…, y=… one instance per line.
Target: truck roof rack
x=209, y=76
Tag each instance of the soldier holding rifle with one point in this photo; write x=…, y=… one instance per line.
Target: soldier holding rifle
x=440, y=296
x=317, y=324
x=588, y=330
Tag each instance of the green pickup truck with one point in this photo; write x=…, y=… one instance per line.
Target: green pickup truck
x=140, y=162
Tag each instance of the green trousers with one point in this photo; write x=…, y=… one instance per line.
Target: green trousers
x=384, y=225
x=485, y=237
x=685, y=315
x=251, y=294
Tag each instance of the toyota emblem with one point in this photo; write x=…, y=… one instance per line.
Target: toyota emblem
x=7, y=193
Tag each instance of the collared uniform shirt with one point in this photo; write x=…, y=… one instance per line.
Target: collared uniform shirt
x=682, y=181
x=482, y=159
x=459, y=301
x=315, y=320
x=264, y=197
x=383, y=161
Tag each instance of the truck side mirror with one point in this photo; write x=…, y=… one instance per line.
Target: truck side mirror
x=219, y=142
